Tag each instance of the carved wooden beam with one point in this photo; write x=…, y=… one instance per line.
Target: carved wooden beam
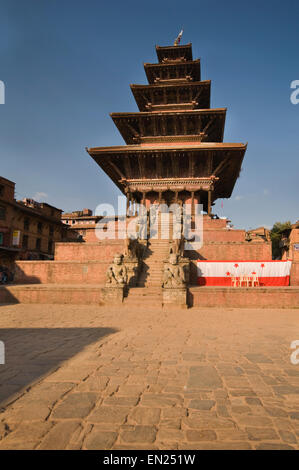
x=133, y=130
x=116, y=169
x=198, y=94
x=221, y=165
x=158, y=166
x=128, y=168
x=210, y=163
x=174, y=164
x=141, y=165
x=191, y=164
x=210, y=122
x=142, y=127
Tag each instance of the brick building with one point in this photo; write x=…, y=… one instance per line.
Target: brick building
x=81, y=224
x=28, y=229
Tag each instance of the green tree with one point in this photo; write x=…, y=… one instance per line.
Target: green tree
x=276, y=234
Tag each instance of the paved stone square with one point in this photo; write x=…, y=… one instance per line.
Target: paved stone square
x=87, y=377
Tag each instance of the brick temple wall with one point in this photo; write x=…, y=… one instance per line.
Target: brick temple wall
x=221, y=251
x=100, y=251
x=295, y=273
x=61, y=272
x=223, y=235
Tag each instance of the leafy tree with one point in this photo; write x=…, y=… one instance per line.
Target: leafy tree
x=276, y=235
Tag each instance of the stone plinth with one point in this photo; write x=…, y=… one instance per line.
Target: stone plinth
x=113, y=294
x=175, y=296
x=133, y=268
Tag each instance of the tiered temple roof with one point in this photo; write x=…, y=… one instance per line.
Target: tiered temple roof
x=175, y=142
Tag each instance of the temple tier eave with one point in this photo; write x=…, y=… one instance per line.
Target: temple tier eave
x=173, y=71
x=178, y=53
x=204, y=167
x=203, y=125
x=187, y=95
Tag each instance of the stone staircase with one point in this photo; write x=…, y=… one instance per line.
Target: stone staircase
x=149, y=285
x=153, y=263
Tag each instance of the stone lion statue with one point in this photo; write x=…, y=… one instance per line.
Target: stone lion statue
x=117, y=272
x=174, y=275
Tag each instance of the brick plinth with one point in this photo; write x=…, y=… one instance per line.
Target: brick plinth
x=51, y=294
x=198, y=297
x=260, y=297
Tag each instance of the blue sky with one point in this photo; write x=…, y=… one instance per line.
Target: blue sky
x=67, y=64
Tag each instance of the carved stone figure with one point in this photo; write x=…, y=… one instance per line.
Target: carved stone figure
x=178, y=247
x=173, y=273
x=117, y=272
x=142, y=226
x=133, y=250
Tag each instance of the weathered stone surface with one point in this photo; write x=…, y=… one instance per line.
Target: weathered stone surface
x=170, y=434
x=113, y=295
x=273, y=446
x=93, y=384
x=75, y=405
x=109, y=414
x=138, y=434
x=203, y=435
x=72, y=374
x=176, y=412
x=243, y=392
x=240, y=409
x=149, y=357
x=130, y=390
x=99, y=439
x=258, y=358
x=121, y=401
x=207, y=423
x=204, y=377
x=257, y=434
x=288, y=436
x=253, y=401
x=144, y=416
x=175, y=296
x=59, y=436
x=201, y=404
x=32, y=410
x=32, y=431
x=276, y=412
x=160, y=400
x=251, y=420
x=236, y=445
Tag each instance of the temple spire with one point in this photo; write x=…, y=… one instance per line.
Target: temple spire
x=178, y=39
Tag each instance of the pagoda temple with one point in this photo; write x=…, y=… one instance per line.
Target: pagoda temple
x=174, y=148
x=173, y=152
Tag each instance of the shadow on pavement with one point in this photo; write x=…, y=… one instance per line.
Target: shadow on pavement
x=31, y=353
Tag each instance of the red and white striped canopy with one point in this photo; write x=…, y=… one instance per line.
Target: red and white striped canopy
x=219, y=273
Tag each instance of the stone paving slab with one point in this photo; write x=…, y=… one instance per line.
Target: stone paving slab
x=87, y=377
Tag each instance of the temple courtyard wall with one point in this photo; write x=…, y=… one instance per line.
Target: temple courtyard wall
x=88, y=262
x=92, y=294
x=78, y=274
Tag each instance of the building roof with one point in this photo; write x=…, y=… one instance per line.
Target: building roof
x=197, y=94
x=135, y=127
x=183, y=51
x=174, y=70
x=185, y=159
